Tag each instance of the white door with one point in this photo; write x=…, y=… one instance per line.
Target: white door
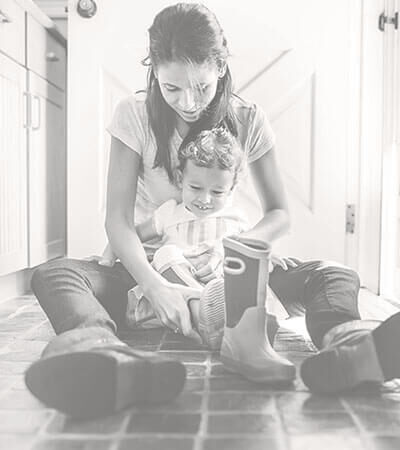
x=291, y=57
x=46, y=143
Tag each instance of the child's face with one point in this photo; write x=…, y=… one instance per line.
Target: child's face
x=205, y=190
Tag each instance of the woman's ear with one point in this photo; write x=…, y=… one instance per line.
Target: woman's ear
x=179, y=178
x=222, y=69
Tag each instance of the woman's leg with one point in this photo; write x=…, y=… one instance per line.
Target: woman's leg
x=78, y=293
x=86, y=371
x=327, y=293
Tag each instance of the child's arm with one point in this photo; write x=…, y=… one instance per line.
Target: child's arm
x=146, y=230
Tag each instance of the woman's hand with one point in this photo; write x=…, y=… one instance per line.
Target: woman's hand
x=283, y=262
x=170, y=304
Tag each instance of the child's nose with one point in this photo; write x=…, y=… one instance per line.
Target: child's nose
x=205, y=197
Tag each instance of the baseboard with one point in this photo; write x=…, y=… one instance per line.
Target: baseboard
x=15, y=284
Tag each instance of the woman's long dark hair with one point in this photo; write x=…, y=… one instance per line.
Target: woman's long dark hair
x=186, y=32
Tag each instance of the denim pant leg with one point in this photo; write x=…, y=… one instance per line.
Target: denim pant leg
x=327, y=293
x=78, y=293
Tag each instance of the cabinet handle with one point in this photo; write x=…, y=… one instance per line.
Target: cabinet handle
x=37, y=116
x=4, y=18
x=25, y=96
x=52, y=57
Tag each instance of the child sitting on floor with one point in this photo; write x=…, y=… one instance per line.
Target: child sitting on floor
x=191, y=232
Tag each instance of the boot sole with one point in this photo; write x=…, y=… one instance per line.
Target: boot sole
x=212, y=314
x=93, y=384
x=274, y=374
x=376, y=358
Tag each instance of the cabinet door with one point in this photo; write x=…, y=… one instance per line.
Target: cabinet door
x=47, y=160
x=13, y=173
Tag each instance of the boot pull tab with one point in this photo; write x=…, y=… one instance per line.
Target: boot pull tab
x=234, y=266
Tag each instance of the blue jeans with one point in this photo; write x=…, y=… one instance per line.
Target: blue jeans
x=78, y=293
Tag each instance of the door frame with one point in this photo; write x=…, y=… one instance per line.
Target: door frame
x=390, y=167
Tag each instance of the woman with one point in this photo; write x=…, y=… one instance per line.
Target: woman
x=189, y=89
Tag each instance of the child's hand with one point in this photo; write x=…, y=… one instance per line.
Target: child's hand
x=207, y=267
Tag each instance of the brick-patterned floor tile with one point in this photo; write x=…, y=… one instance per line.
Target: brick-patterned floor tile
x=219, y=370
x=26, y=421
x=21, y=322
x=379, y=421
x=227, y=443
x=22, y=350
x=374, y=402
x=156, y=443
x=184, y=345
x=242, y=401
x=384, y=442
x=238, y=383
x=243, y=423
x=158, y=422
x=5, y=384
x=16, y=441
x=318, y=422
x=43, y=332
x=19, y=399
x=185, y=402
x=187, y=356
x=194, y=385
x=62, y=424
x=142, y=337
x=75, y=444
x=330, y=441
x=195, y=370
x=299, y=402
x=8, y=368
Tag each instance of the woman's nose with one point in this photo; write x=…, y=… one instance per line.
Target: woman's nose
x=187, y=102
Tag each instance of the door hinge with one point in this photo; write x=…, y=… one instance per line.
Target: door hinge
x=384, y=19
x=350, y=218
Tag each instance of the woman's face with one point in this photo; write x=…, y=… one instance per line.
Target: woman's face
x=188, y=89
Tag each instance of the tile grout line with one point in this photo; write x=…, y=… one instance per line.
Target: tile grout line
x=202, y=432
x=119, y=436
x=283, y=440
x=360, y=428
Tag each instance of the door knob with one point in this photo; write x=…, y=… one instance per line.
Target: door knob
x=52, y=57
x=87, y=8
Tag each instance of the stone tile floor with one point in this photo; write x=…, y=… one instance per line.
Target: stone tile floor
x=217, y=410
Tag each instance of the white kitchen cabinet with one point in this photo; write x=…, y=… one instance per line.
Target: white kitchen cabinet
x=46, y=179
x=32, y=138
x=13, y=167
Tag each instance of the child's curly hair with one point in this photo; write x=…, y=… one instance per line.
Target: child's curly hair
x=215, y=147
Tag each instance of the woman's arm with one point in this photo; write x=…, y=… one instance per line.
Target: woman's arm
x=146, y=230
x=122, y=180
x=169, y=303
x=268, y=183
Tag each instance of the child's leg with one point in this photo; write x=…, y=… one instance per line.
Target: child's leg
x=172, y=265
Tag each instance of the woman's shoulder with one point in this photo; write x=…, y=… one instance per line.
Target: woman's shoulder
x=250, y=116
x=134, y=103
x=242, y=108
